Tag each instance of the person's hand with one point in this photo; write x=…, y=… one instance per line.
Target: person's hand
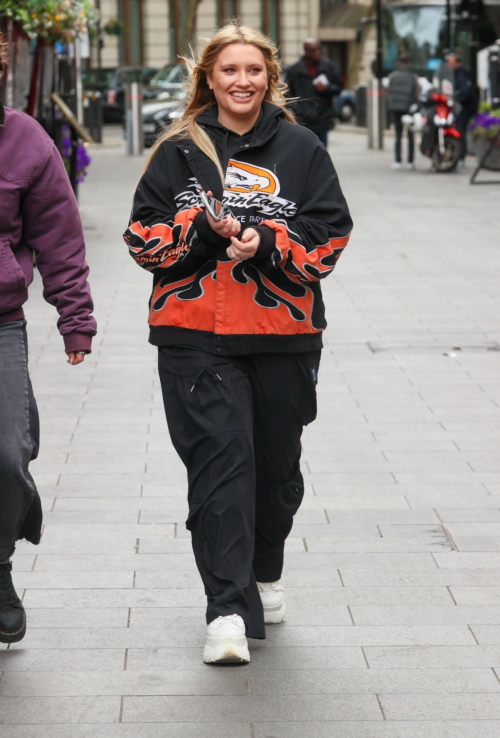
x=75, y=357
x=245, y=247
x=320, y=86
x=225, y=228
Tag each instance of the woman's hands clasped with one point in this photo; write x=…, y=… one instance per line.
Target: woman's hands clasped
x=241, y=248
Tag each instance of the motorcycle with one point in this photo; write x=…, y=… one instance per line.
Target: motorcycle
x=441, y=139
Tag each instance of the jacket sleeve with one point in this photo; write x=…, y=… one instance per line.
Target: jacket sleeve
x=159, y=237
x=308, y=246
x=53, y=230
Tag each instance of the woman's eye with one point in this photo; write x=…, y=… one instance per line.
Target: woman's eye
x=229, y=69
x=256, y=70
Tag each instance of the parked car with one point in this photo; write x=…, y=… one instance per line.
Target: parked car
x=166, y=83
x=345, y=106
x=114, y=102
x=97, y=80
x=157, y=115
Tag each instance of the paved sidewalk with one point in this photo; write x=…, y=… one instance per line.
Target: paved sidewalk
x=393, y=566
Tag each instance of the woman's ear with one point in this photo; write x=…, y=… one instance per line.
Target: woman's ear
x=209, y=82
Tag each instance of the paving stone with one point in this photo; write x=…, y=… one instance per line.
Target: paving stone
x=427, y=729
x=432, y=657
x=374, y=681
x=69, y=710
x=226, y=709
x=81, y=683
x=441, y=707
x=74, y=659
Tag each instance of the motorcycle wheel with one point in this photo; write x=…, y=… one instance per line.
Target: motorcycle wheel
x=448, y=161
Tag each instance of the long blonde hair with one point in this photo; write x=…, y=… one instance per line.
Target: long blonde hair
x=200, y=96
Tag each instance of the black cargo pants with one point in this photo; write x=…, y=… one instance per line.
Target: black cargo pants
x=236, y=423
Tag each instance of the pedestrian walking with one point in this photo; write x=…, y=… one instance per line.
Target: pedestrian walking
x=39, y=216
x=464, y=95
x=403, y=93
x=237, y=315
x=314, y=81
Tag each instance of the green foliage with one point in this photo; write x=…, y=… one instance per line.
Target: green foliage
x=53, y=20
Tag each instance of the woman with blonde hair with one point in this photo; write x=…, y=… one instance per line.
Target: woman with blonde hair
x=238, y=216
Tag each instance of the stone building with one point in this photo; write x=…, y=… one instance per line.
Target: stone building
x=152, y=28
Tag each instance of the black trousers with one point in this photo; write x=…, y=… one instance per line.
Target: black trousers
x=398, y=125
x=20, y=506
x=236, y=423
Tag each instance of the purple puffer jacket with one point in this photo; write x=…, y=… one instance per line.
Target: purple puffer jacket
x=38, y=213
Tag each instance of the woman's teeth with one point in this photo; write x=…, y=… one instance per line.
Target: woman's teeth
x=241, y=94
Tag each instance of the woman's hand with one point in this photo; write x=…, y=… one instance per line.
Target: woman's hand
x=75, y=357
x=225, y=228
x=245, y=247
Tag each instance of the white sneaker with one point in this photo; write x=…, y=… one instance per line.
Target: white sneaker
x=226, y=641
x=410, y=166
x=395, y=165
x=272, y=595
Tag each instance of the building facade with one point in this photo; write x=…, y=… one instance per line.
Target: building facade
x=153, y=31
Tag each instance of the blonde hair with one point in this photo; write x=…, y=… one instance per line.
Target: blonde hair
x=200, y=97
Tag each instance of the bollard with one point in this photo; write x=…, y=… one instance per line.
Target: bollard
x=133, y=119
x=376, y=114
x=361, y=105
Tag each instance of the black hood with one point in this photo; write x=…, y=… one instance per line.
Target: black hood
x=227, y=143
x=263, y=129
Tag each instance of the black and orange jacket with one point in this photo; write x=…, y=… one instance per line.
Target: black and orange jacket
x=279, y=180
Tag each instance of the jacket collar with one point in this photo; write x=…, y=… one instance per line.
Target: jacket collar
x=2, y=114
x=301, y=66
x=203, y=168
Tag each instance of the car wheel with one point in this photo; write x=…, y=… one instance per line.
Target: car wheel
x=346, y=112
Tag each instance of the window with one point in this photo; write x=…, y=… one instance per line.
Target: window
x=226, y=11
x=178, y=33
x=130, y=41
x=270, y=19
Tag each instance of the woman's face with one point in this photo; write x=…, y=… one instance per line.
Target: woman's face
x=239, y=80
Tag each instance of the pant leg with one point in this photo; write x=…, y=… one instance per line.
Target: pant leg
x=284, y=396
x=20, y=507
x=398, y=125
x=208, y=404
x=411, y=146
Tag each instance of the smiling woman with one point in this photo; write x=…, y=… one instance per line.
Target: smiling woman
x=237, y=314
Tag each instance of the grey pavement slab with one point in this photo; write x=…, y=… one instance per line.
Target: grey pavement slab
x=239, y=709
x=393, y=582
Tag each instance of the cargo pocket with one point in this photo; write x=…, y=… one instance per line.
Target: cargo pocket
x=311, y=365
x=12, y=277
x=280, y=502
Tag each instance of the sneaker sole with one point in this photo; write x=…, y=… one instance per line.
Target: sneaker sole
x=275, y=615
x=226, y=651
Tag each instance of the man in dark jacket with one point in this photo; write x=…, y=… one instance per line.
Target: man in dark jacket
x=314, y=81
x=464, y=95
x=38, y=215
x=403, y=92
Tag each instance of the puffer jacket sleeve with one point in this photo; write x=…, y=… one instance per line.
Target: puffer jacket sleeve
x=308, y=246
x=159, y=237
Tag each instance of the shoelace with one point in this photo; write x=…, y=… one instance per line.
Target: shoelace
x=210, y=371
x=271, y=586
x=223, y=619
x=8, y=595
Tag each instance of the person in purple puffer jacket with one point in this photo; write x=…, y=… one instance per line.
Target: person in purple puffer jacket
x=38, y=215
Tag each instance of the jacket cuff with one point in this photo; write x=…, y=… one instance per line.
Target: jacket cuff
x=206, y=233
x=77, y=342
x=267, y=242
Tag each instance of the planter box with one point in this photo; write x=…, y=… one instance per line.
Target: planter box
x=492, y=161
